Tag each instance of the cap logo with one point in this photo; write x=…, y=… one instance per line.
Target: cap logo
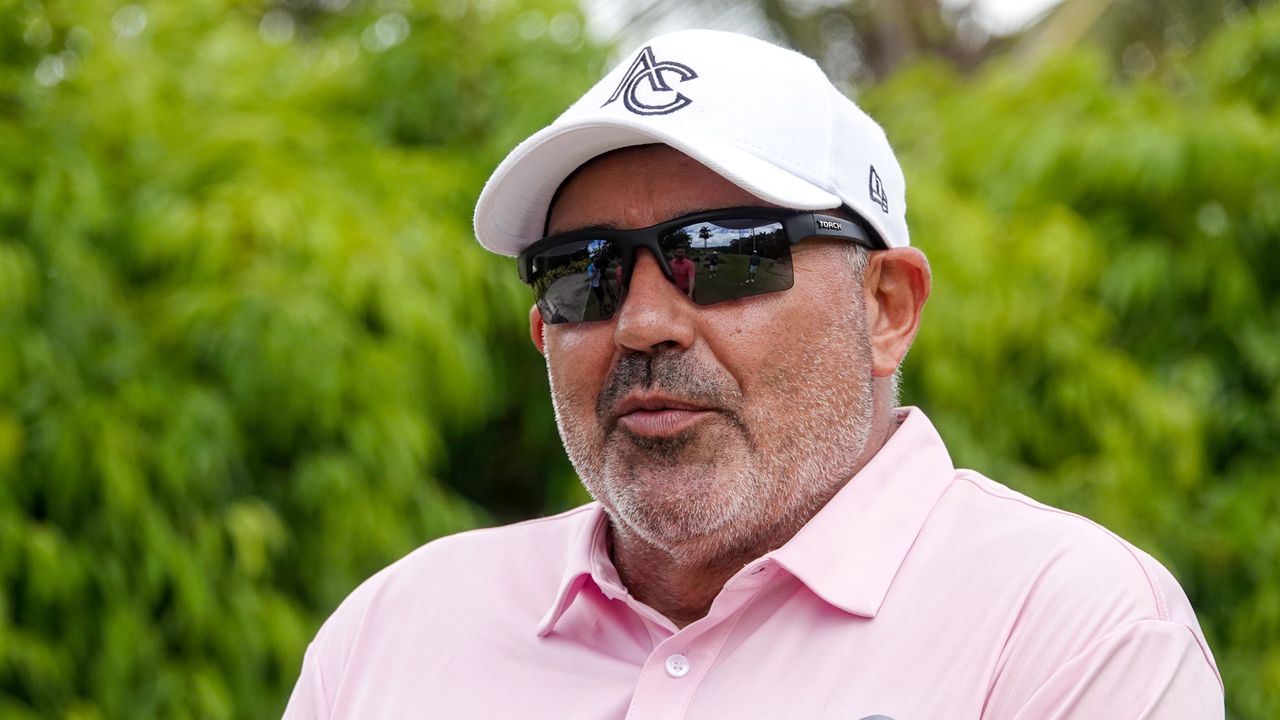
x=647, y=69
x=877, y=190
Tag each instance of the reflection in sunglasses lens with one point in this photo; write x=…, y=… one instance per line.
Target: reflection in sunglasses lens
x=711, y=262
x=578, y=281
x=734, y=258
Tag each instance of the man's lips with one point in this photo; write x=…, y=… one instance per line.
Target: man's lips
x=659, y=415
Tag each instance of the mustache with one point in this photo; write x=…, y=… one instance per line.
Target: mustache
x=671, y=373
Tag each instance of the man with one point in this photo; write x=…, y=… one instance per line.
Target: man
x=596, y=270
x=683, y=271
x=753, y=265
x=771, y=537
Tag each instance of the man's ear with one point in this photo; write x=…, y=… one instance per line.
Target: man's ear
x=535, y=329
x=897, y=284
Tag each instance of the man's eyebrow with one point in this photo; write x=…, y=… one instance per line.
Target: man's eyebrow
x=587, y=228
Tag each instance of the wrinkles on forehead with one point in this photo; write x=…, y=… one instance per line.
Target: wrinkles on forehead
x=627, y=189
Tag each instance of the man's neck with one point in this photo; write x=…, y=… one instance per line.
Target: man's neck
x=682, y=583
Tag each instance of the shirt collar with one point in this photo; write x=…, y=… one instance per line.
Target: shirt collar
x=848, y=554
x=586, y=560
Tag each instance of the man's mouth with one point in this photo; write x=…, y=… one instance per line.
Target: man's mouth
x=654, y=415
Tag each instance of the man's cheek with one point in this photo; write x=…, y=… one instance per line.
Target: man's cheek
x=574, y=398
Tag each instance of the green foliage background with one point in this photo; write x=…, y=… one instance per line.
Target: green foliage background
x=250, y=353
x=1104, y=332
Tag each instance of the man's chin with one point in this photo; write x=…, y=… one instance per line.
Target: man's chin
x=660, y=445
x=670, y=528
x=676, y=506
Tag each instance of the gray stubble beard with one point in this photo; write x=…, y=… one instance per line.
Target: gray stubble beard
x=778, y=486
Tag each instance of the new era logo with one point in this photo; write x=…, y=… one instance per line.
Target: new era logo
x=876, y=188
x=648, y=71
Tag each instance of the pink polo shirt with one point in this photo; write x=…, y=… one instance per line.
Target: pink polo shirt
x=919, y=592
x=683, y=270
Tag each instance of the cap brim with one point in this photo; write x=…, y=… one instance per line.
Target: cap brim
x=513, y=206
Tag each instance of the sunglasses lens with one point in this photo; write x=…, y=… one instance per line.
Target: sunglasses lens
x=727, y=259
x=578, y=281
x=711, y=261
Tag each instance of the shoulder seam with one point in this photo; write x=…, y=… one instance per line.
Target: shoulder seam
x=1157, y=595
x=324, y=690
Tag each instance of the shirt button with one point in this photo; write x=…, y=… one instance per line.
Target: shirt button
x=677, y=666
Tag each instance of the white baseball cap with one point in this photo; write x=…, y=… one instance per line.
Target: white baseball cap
x=765, y=118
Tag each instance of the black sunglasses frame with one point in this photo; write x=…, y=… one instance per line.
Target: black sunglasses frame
x=797, y=224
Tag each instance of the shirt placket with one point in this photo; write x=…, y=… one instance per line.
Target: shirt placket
x=678, y=664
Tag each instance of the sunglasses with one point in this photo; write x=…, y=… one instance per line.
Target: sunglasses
x=710, y=256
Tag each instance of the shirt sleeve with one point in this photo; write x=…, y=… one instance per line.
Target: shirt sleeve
x=1150, y=669
x=308, y=700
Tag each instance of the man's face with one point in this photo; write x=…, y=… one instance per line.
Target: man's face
x=713, y=425
x=679, y=253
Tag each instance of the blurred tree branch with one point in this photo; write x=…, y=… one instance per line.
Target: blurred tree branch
x=860, y=42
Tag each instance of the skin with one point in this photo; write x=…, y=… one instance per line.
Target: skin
x=712, y=434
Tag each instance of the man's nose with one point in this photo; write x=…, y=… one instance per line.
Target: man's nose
x=655, y=315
